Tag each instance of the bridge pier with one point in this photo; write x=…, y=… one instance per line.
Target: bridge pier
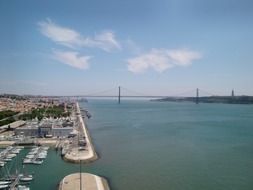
x=197, y=96
x=119, y=96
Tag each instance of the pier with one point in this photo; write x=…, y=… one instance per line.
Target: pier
x=82, y=154
x=87, y=182
x=88, y=154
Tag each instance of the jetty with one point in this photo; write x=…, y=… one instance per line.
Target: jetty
x=85, y=180
x=84, y=154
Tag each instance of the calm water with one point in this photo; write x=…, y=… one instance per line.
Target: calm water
x=165, y=146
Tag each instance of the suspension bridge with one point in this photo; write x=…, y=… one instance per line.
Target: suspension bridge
x=123, y=92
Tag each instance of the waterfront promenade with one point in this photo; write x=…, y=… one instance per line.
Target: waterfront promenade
x=75, y=154
x=87, y=181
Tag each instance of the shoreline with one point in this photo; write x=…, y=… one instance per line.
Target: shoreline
x=75, y=156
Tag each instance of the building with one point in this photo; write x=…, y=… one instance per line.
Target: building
x=45, y=129
x=31, y=131
x=61, y=131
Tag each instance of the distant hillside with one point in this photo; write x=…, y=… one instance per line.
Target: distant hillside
x=212, y=99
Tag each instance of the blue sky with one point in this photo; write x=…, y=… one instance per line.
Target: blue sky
x=161, y=47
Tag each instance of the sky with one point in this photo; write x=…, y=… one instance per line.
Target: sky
x=152, y=47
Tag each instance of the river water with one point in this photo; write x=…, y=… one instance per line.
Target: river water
x=146, y=145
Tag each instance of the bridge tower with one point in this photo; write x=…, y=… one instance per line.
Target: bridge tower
x=197, y=96
x=233, y=93
x=119, y=96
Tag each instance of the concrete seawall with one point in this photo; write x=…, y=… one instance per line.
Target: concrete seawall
x=89, y=155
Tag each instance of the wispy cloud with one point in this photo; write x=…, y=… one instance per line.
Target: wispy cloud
x=162, y=59
x=156, y=59
x=104, y=40
x=72, y=58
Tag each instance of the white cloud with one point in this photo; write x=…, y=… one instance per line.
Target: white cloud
x=162, y=59
x=183, y=57
x=59, y=34
x=72, y=58
x=105, y=40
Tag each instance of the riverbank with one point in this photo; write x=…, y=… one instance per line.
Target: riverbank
x=88, y=181
x=87, y=155
x=210, y=99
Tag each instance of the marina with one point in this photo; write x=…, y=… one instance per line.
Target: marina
x=12, y=181
x=8, y=154
x=76, y=148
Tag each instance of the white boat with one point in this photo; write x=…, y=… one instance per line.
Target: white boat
x=30, y=156
x=11, y=156
x=7, y=159
x=4, y=186
x=2, y=163
x=27, y=161
x=9, y=148
x=23, y=187
x=25, y=178
x=33, y=152
x=42, y=156
x=45, y=147
x=43, y=151
x=15, y=151
x=63, y=151
x=35, y=149
x=37, y=162
x=4, y=182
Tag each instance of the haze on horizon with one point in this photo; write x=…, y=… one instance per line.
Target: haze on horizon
x=161, y=47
